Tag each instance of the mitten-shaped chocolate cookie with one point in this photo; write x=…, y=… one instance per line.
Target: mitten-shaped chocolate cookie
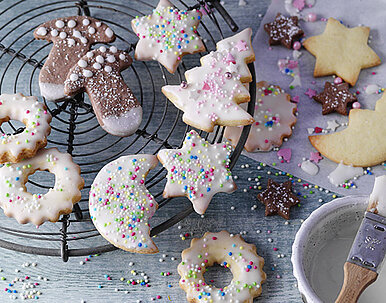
x=98, y=74
x=72, y=38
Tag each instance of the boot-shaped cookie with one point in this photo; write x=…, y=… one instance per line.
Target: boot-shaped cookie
x=98, y=74
x=72, y=38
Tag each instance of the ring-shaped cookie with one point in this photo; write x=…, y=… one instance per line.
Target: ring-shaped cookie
x=26, y=207
x=228, y=251
x=27, y=109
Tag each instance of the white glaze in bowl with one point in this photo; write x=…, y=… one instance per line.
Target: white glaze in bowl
x=319, y=278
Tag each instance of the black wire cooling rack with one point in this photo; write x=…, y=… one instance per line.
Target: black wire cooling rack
x=75, y=128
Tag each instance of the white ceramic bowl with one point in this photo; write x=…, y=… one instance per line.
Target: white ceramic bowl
x=320, y=227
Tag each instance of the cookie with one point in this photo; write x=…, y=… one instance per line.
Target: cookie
x=34, y=115
x=283, y=30
x=197, y=171
x=362, y=143
x=212, y=92
x=335, y=98
x=72, y=38
x=278, y=199
x=274, y=118
x=229, y=251
x=120, y=205
x=342, y=51
x=98, y=74
x=25, y=207
x=167, y=35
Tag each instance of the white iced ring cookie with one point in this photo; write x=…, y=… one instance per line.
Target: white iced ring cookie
x=38, y=208
x=14, y=148
x=228, y=251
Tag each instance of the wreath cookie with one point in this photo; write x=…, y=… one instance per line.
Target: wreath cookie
x=229, y=251
x=27, y=109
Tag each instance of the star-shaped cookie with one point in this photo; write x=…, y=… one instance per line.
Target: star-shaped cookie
x=212, y=92
x=283, y=30
x=335, y=97
x=278, y=198
x=198, y=170
x=342, y=51
x=167, y=35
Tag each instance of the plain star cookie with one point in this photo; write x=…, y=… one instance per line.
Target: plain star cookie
x=34, y=115
x=198, y=170
x=274, y=118
x=362, y=143
x=229, y=251
x=342, y=51
x=26, y=207
x=98, y=74
x=167, y=35
x=335, y=98
x=278, y=199
x=212, y=92
x=72, y=37
x=121, y=206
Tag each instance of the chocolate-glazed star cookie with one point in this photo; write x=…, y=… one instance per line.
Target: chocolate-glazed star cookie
x=278, y=198
x=283, y=30
x=335, y=97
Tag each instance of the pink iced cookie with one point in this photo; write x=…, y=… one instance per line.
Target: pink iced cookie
x=274, y=117
x=198, y=170
x=98, y=74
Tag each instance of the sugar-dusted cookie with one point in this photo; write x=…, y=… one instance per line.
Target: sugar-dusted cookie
x=362, y=143
x=25, y=207
x=120, y=205
x=198, y=170
x=283, y=30
x=167, y=35
x=342, y=51
x=335, y=98
x=213, y=91
x=274, y=118
x=72, y=38
x=278, y=199
x=98, y=74
x=34, y=115
x=229, y=251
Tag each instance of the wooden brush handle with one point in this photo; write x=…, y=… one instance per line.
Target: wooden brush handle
x=356, y=280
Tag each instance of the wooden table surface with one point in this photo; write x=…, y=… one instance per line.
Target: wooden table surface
x=98, y=278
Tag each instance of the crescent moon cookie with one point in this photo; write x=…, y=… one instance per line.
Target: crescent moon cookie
x=274, y=118
x=229, y=251
x=213, y=91
x=72, y=38
x=38, y=208
x=362, y=143
x=198, y=170
x=120, y=205
x=167, y=35
x=342, y=51
x=98, y=74
x=34, y=115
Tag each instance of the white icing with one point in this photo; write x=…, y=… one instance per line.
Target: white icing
x=54, y=33
x=90, y=54
x=240, y=257
x=122, y=57
x=38, y=208
x=35, y=117
x=59, y=24
x=343, y=173
x=91, y=30
x=86, y=22
x=96, y=66
x=201, y=177
x=100, y=59
x=82, y=63
x=71, y=42
x=108, y=69
x=103, y=49
x=120, y=205
x=210, y=94
x=87, y=73
x=52, y=91
x=124, y=125
x=74, y=77
x=42, y=31
x=77, y=34
x=372, y=89
x=378, y=196
x=98, y=24
x=63, y=35
x=109, y=33
x=155, y=39
x=71, y=23
x=110, y=59
x=83, y=40
x=309, y=167
x=113, y=49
